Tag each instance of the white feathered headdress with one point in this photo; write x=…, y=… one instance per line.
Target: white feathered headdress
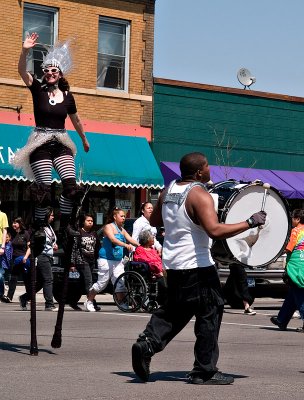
x=59, y=56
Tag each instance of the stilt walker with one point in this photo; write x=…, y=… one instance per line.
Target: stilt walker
x=49, y=146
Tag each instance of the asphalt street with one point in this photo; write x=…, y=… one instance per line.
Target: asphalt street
x=94, y=361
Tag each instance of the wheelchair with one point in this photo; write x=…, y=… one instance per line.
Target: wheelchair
x=140, y=289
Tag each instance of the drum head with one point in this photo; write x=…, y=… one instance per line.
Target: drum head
x=260, y=246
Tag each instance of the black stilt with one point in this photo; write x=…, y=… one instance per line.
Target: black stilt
x=57, y=336
x=34, y=345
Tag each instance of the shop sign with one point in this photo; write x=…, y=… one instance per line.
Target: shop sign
x=123, y=204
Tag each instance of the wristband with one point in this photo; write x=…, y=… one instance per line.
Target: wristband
x=250, y=222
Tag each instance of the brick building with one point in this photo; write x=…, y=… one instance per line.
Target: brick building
x=112, y=85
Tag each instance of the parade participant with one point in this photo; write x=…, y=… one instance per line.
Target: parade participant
x=143, y=223
x=110, y=264
x=294, y=299
x=186, y=210
x=49, y=144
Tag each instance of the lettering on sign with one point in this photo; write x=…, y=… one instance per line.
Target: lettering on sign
x=123, y=204
x=6, y=155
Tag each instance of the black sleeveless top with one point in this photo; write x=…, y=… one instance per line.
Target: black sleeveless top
x=47, y=115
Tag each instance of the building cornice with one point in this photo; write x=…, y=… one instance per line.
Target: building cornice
x=223, y=89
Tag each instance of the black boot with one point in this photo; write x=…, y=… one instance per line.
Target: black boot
x=38, y=237
x=66, y=231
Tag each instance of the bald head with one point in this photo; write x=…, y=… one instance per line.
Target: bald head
x=191, y=163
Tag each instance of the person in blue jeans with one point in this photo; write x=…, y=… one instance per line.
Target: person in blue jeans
x=20, y=257
x=5, y=261
x=295, y=272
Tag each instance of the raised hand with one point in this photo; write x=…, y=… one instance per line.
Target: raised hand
x=30, y=40
x=86, y=145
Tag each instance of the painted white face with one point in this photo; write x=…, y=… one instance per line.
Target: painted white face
x=51, y=74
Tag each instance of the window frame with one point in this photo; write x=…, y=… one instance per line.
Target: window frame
x=127, y=25
x=55, y=12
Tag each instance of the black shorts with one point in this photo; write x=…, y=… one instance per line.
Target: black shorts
x=49, y=151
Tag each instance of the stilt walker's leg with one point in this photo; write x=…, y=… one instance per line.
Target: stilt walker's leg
x=37, y=242
x=57, y=337
x=34, y=345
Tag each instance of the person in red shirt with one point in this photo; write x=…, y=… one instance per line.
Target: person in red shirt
x=148, y=254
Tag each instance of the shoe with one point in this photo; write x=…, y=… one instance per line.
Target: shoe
x=296, y=314
x=38, y=240
x=96, y=306
x=23, y=303
x=89, y=306
x=301, y=330
x=249, y=311
x=275, y=321
x=54, y=308
x=124, y=306
x=5, y=299
x=218, y=379
x=75, y=307
x=141, y=357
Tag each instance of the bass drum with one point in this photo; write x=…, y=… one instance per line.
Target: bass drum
x=256, y=247
x=74, y=286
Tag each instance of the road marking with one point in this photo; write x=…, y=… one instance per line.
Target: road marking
x=148, y=316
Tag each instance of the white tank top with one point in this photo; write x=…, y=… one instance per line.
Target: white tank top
x=186, y=244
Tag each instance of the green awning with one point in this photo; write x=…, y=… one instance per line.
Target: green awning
x=113, y=160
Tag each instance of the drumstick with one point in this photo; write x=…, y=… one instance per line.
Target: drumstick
x=266, y=186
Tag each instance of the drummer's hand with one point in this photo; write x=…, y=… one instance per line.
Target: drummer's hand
x=257, y=219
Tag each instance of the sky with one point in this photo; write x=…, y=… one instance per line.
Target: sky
x=208, y=41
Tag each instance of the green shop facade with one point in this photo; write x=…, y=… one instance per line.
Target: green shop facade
x=236, y=129
x=117, y=171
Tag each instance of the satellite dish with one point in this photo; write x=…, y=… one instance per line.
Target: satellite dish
x=245, y=77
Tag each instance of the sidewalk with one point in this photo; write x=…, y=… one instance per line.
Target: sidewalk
x=100, y=298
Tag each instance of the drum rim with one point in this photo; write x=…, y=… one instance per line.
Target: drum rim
x=224, y=211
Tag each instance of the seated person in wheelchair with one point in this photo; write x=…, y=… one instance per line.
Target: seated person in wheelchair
x=147, y=254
